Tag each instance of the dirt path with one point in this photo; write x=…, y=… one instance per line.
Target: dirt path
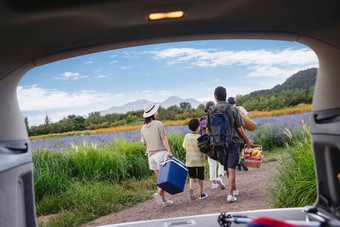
x=252, y=186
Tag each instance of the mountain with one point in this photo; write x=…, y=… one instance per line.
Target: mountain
x=138, y=105
x=301, y=80
x=174, y=100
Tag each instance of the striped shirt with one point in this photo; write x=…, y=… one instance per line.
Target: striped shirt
x=194, y=157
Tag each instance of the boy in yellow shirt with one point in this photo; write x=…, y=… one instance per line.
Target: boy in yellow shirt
x=194, y=158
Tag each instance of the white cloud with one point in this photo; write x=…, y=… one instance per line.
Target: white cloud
x=35, y=98
x=213, y=58
x=126, y=67
x=70, y=76
x=131, y=54
x=112, y=56
x=102, y=76
x=88, y=62
x=272, y=71
x=112, y=62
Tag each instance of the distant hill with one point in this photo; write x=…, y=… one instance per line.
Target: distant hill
x=302, y=80
x=138, y=105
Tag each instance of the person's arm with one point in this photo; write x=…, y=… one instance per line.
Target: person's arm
x=142, y=139
x=249, y=142
x=161, y=131
x=207, y=123
x=166, y=145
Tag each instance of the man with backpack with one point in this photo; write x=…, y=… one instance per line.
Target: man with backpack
x=216, y=182
x=224, y=124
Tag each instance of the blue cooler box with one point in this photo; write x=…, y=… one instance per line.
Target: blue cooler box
x=172, y=176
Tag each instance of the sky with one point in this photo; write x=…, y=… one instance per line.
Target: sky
x=192, y=69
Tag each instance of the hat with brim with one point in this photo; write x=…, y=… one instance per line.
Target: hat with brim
x=150, y=109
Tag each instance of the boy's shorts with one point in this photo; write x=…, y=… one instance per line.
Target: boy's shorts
x=196, y=172
x=156, y=159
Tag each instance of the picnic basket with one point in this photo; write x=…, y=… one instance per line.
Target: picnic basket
x=253, y=162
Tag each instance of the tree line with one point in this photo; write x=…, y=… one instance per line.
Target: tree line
x=96, y=121
x=275, y=101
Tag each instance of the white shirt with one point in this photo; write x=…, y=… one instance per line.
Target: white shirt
x=242, y=110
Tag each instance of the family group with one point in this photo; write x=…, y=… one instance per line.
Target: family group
x=154, y=138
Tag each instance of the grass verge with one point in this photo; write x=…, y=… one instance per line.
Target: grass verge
x=85, y=201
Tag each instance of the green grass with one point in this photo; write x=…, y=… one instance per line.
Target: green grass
x=295, y=183
x=275, y=154
x=175, y=140
x=119, y=161
x=82, y=185
x=85, y=201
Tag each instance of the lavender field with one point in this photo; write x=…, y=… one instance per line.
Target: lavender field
x=60, y=144
x=269, y=134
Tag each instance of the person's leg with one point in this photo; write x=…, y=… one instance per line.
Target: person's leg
x=200, y=183
x=212, y=170
x=232, y=161
x=192, y=175
x=231, y=180
x=219, y=179
x=160, y=191
x=154, y=162
x=220, y=170
x=192, y=182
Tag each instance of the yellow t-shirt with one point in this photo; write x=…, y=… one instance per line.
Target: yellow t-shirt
x=194, y=157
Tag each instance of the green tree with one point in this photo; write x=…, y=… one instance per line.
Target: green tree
x=185, y=105
x=79, y=123
x=47, y=120
x=130, y=119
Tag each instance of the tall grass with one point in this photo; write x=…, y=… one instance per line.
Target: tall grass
x=295, y=183
x=175, y=140
x=85, y=182
x=118, y=161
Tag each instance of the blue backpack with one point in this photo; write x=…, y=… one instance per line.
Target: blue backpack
x=220, y=128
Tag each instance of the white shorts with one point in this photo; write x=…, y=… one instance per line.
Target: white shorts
x=156, y=159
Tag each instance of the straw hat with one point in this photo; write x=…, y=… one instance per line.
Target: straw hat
x=150, y=109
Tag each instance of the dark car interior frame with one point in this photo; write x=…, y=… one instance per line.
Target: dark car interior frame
x=36, y=32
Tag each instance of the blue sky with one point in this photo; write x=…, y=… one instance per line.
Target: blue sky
x=155, y=72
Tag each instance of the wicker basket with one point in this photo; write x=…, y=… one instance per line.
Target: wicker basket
x=252, y=162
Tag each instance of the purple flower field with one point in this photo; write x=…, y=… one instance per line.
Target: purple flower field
x=99, y=140
x=269, y=133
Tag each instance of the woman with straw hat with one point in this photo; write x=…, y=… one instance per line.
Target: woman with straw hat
x=153, y=137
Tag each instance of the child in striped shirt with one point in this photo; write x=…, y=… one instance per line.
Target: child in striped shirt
x=194, y=158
